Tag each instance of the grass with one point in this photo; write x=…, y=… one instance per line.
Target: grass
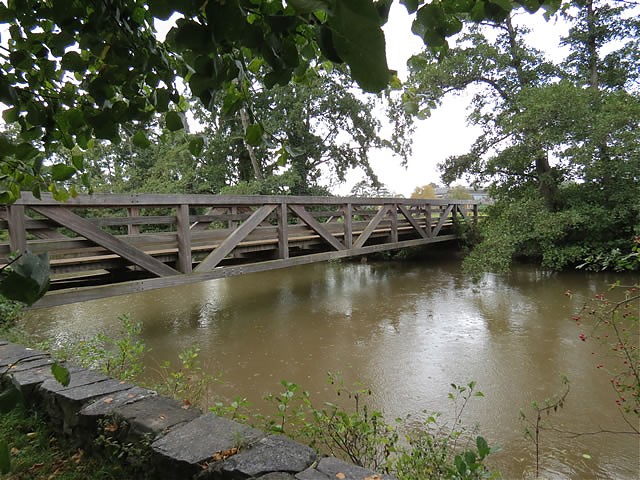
x=36, y=453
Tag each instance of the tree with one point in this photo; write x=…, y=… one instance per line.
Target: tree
x=560, y=142
x=308, y=131
x=425, y=191
x=459, y=193
x=77, y=70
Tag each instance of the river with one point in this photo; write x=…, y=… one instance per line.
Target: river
x=407, y=330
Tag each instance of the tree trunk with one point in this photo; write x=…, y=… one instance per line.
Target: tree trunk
x=547, y=183
x=252, y=154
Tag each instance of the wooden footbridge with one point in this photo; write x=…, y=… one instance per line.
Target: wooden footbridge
x=106, y=245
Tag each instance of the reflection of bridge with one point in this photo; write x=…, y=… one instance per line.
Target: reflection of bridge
x=105, y=245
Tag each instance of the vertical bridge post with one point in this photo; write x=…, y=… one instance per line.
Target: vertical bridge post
x=348, y=225
x=183, y=227
x=17, y=229
x=283, y=232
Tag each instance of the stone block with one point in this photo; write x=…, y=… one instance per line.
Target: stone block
x=65, y=402
x=332, y=468
x=153, y=415
x=276, y=476
x=271, y=454
x=11, y=354
x=185, y=449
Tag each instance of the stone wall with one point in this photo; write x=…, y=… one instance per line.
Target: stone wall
x=181, y=442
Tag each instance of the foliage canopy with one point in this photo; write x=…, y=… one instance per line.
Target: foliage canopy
x=72, y=71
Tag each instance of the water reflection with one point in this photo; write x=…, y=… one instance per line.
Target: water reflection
x=407, y=330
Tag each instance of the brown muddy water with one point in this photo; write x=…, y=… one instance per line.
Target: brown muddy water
x=405, y=329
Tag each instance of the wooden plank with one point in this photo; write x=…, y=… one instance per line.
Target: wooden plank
x=316, y=226
x=283, y=232
x=184, y=238
x=157, y=200
x=235, y=238
x=364, y=236
x=17, y=230
x=133, y=221
x=348, y=225
x=133, y=229
x=82, y=295
x=416, y=226
x=85, y=228
x=444, y=216
x=394, y=223
x=428, y=221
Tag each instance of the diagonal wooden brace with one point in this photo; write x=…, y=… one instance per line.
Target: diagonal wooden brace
x=73, y=222
x=232, y=241
x=443, y=218
x=316, y=226
x=375, y=221
x=407, y=214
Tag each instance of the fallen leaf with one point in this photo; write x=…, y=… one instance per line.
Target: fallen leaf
x=373, y=477
x=224, y=454
x=14, y=451
x=341, y=476
x=112, y=427
x=108, y=400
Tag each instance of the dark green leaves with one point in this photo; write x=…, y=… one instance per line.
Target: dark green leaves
x=61, y=172
x=28, y=278
x=174, y=121
x=61, y=374
x=73, y=62
x=140, y=139
x=196, y=145
x=359, y=41
x=9, y=399
x=5, y=455
x=253, y=134
x=434, y=24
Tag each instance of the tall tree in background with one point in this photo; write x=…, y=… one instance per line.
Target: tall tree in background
x=308, y=132
x=560, y=142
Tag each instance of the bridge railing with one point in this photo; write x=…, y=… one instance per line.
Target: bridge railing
x=208, y=236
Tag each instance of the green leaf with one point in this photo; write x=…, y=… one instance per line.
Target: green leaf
x=73, y=62
x=140, y=139
x=25, y=151
x=61, y=374
x=11, y=115
x=28, y=279
x=411, y=5
x=10, y=399
x=254, y=134
x=360, y=42
x=5, y=457
x=61, y=172
x=483, y=447
x=162, y=98
x=506, y=5
x=161, y=9
x=174, y=121
x=308, y=6
x=196, y=145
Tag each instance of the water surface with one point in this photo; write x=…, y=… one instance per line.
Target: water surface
x=405, y=329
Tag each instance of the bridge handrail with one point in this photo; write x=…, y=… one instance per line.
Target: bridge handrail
x=156, y=200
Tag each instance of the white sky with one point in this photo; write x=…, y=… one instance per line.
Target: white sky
x=446, y=132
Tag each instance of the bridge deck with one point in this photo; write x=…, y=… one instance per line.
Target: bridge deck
x=105, y=245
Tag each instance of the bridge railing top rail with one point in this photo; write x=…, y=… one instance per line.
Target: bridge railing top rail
x=156, y=200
